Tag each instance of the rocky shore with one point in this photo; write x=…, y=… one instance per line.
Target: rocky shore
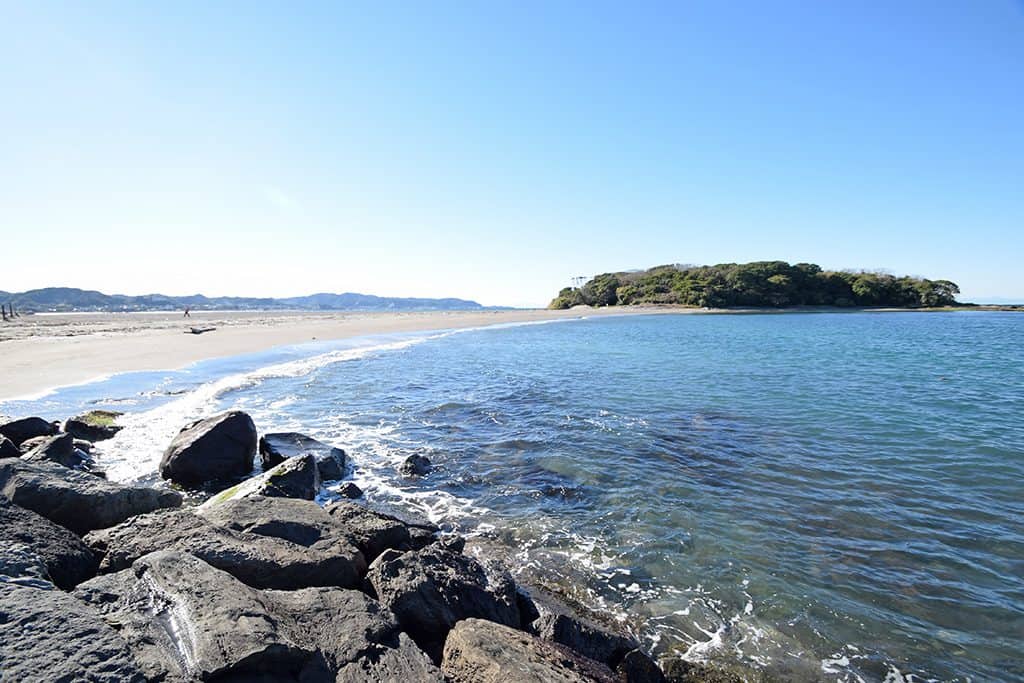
x=229, y=576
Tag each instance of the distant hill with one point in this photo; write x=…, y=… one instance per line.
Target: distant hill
x=67, y=299
x=761, y=284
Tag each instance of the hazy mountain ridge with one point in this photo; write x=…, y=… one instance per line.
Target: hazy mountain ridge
x=72, y=299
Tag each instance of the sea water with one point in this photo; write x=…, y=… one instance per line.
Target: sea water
x=817, y=496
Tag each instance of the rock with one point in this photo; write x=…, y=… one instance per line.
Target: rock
x=276, y=448
x=8, y=449
x=95, y=425
x=83, y=445
x=217, y=448
x=681, y=671
x=350, y=490
x=416, y=466
x=75, y=500
x=478, y=651
x=637, y=667
x=429, y=590
x=28, y=445
x=374, y=532
x=47, y=635
x=559, y=624
x=26, y=428
x=66, y=559
x=59, y=449
x=209, y=625
x=261, y=560
x=21, y=564
x=293, y=478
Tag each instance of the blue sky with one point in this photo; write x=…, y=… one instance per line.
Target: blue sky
x=492, y=151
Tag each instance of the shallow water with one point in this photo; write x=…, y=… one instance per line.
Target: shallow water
x=827, y=496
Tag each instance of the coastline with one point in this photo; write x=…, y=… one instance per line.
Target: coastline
x=45, y=353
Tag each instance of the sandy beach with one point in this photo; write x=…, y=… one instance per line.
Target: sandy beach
x=41, y=352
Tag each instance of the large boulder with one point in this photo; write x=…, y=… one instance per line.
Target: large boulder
x=293, y=478
x=376, y=532
x=75, y=500
x=261, y=561
x=558, y=623
x=95, y=425
x=278, y=447
x=26, y=428
x=215, y=449
x=67, y=560
x=48, y=635
x=211, y=626
x=306, y=523
x=432, y=589
x=479, y=651
x=8, y=449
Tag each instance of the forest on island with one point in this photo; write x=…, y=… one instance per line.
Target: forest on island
x=761, y=284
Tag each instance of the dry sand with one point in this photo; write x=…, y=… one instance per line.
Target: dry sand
x=40, y=352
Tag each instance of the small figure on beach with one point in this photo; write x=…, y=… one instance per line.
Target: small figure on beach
x=186, y=314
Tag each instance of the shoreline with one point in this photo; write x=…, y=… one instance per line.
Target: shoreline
x=56, y=352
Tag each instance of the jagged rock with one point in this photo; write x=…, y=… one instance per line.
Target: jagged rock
x=278, y=447
x=293, y=478
x=214, y=449
x=259, y=560
x=75, y=500
x=560, y=624
x=637, y=667
x=479, y=651
x=67, y=560
x=47, y=635
x=416, y=466
x=429, y=590
x=226, y=629
x=26, y=428
x=8, y=449
x=374, y=532
x=59, y=449
x=350, y=490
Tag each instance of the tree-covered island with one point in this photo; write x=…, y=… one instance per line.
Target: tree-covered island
x=761, y=284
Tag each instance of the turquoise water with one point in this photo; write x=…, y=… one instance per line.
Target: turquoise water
x=826, y=496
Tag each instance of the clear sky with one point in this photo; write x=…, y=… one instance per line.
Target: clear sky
x=493, y=150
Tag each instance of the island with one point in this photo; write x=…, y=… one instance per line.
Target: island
x=760, y=284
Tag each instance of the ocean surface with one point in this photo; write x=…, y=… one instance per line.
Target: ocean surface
x=817, y=496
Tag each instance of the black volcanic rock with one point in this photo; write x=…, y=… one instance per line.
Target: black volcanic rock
x=26, y=428
x=48, y=635
x=77, y=501
x=289, y=559
x=67, y=559
x=432, y=589
x=93, y=426
x=233, y=632
x=276, y=448
x=294, y=478
x=479, y=651
x=214, y=449
x=416, y=466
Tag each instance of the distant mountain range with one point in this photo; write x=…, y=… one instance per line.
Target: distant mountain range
x=67, y=299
